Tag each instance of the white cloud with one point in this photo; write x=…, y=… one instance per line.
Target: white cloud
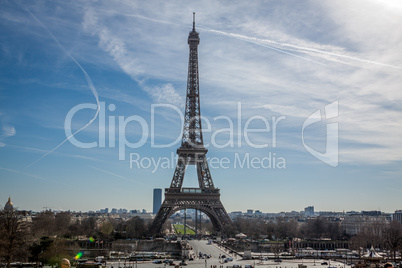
x=290, y=63
x=117, y=49
x=128, y=62
x=345, y=51
x=8, y=131
x=165, y=94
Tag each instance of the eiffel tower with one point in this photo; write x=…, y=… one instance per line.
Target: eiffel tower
x=206, y=198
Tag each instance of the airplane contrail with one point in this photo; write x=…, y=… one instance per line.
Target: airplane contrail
x=259, y=41
x=220, y=32
x=283, y=51
x=30, y=175
x=89, y=81
x=296, y=48
x=116, y=175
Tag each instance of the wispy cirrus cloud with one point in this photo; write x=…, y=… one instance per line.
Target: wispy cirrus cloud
x=117, y=48
x=275, y=70
x=7, y=130
x=88, y=80
x=286, y=58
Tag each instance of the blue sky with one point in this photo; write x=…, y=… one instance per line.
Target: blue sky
x=260, y=63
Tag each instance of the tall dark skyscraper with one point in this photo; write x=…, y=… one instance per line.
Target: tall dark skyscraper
x=157, y=200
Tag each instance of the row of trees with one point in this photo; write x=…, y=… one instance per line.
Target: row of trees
x=50, y=237
x=379, y=235
x=64, y=225
x=283, y=229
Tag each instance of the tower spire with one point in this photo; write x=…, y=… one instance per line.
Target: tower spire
x=193, y=21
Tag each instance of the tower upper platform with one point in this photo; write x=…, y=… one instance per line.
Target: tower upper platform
x=193, y=36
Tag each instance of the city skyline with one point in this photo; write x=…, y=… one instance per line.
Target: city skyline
x=306, y=212
x=92, y=96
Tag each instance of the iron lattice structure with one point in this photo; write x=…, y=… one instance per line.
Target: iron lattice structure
x=206, y=198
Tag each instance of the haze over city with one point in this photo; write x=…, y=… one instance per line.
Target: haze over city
x=92, y=98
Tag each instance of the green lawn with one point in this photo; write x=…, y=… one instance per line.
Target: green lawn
x=179, y=229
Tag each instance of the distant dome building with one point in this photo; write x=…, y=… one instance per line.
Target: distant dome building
x=9, y=206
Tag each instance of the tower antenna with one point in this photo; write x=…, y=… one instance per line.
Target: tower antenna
x=193, y=21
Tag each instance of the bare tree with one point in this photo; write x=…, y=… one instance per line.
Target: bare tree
x=44, y=224
x=359, y=243
x=106, y=229
x=13, y=237
x=135, y=227
x=285, y=228
x=393, y=237
x=62, y=222
x=321, y=227
x=88, y=226
x=374, y=233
